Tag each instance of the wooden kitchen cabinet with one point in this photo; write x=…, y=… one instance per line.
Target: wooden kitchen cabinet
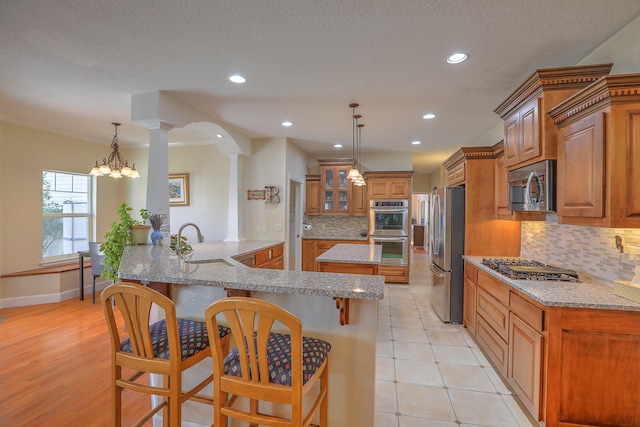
x=332, y=193
x=389, y=184
x=312, y=190
x=271, y=258
x=470, y=286
x=483, y=234
x=501, y=184
x=530, y=134
x=598, y=172
x=524, y=371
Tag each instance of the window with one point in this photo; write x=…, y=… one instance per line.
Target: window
x=66, y=211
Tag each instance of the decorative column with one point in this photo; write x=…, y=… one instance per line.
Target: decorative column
x=158, y=174
x=235, y=223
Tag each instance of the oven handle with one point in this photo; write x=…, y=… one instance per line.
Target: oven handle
x=390, y=210
x=389, y=239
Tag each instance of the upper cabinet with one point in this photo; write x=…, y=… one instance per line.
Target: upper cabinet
x=312, y=186
x=598, y=168
x=332, y=193
x=529, y=133
x=389, y=184
x=501, y=185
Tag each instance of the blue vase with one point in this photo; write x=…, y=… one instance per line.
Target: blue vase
x=156, y=236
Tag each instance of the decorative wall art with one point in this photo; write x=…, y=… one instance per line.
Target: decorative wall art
x=255, y=195
x=179, y=189
x=272, y=194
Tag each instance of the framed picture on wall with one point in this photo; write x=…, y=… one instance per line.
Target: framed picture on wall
x=179, y=189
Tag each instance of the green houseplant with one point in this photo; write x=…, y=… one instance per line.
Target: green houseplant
x=118, y=237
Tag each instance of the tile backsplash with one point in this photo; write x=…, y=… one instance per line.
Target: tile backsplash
x=335, y=225
x=591, y=251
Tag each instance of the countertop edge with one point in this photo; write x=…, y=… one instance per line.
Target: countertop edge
x=571, y=298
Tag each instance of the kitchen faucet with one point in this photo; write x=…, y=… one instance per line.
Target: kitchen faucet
x=178, y=240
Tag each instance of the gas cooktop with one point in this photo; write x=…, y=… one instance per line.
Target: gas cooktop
x=522, y=269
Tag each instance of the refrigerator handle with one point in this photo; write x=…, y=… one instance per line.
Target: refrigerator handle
x=435, y=272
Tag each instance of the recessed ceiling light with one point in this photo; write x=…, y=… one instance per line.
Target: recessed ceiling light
x=429, y=116
x=337, y=145
x=416, y=142
x=287, y=124
x=237, y=78
x=457, y=58
x=219, y=135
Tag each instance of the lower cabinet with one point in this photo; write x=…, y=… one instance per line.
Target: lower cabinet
x=525, y=363
x=511, y=332
x=395, y=273
x=265, y=258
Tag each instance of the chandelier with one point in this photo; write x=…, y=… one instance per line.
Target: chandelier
x=354, y=173
x=114, y=165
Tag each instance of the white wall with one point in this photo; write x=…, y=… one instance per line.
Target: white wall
x=266, y=166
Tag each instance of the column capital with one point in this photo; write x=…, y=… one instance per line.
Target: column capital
x=157, y=124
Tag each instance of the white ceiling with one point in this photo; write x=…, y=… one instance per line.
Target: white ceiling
x=71, y=66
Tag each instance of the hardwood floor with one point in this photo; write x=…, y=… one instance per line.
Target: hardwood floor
x=55, y=367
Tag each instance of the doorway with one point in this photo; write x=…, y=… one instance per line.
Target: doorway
x=294, y=224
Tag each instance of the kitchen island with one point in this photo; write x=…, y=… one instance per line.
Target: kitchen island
x=351, y=258
x=569, y=350
x=308, y=295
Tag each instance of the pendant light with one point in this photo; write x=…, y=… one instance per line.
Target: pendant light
x=353, y=172
x=115, y=166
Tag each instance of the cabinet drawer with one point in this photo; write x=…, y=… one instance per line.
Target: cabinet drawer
x=494, y=346
x=471, y=272
x=494, y=287
x=530, y=313
x=267, y=255
x=494, y=313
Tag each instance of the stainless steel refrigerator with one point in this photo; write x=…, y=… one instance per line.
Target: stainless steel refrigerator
x=447, y=247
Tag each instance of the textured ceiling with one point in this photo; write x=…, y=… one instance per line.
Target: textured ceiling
x=71, y=66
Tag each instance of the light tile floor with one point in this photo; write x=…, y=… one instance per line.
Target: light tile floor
x=430, y=373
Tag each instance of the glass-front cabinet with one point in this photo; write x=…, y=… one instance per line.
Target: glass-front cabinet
x=335, y=190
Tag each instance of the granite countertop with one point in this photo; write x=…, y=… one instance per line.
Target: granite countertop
x=333, y=237
x=160, y=264
x=353, y=254
x=563, y=294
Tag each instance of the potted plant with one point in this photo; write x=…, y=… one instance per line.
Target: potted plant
x=156, y=219
x=140, y=229
x=120, y=235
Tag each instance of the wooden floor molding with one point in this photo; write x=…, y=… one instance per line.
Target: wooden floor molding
x=55, y=367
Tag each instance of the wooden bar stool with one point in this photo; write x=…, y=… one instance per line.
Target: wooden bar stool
x=167, y=347
x=265, y=365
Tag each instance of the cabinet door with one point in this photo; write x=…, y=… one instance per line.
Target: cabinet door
x=309, y=254
x=469, y=314
x=502, y=190
x=377, y=188
x=529, y=141
x=399, y=188
x=335, y=190
x=511, y=130
x=525, y=362
x=359, y=200
x=581, y=171
x=312, y=206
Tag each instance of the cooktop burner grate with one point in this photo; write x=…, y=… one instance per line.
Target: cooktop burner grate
x=522, y=269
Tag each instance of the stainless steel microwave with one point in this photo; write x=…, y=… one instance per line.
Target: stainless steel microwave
x=532, y=188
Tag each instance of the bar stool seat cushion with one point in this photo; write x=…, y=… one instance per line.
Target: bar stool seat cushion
x=314, y=353
x=193, y=338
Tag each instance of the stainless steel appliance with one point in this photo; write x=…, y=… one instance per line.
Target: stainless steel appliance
x=389, y=217
x=532, y=188
x=523, y=269
x=447, y=246
x=395, y=249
